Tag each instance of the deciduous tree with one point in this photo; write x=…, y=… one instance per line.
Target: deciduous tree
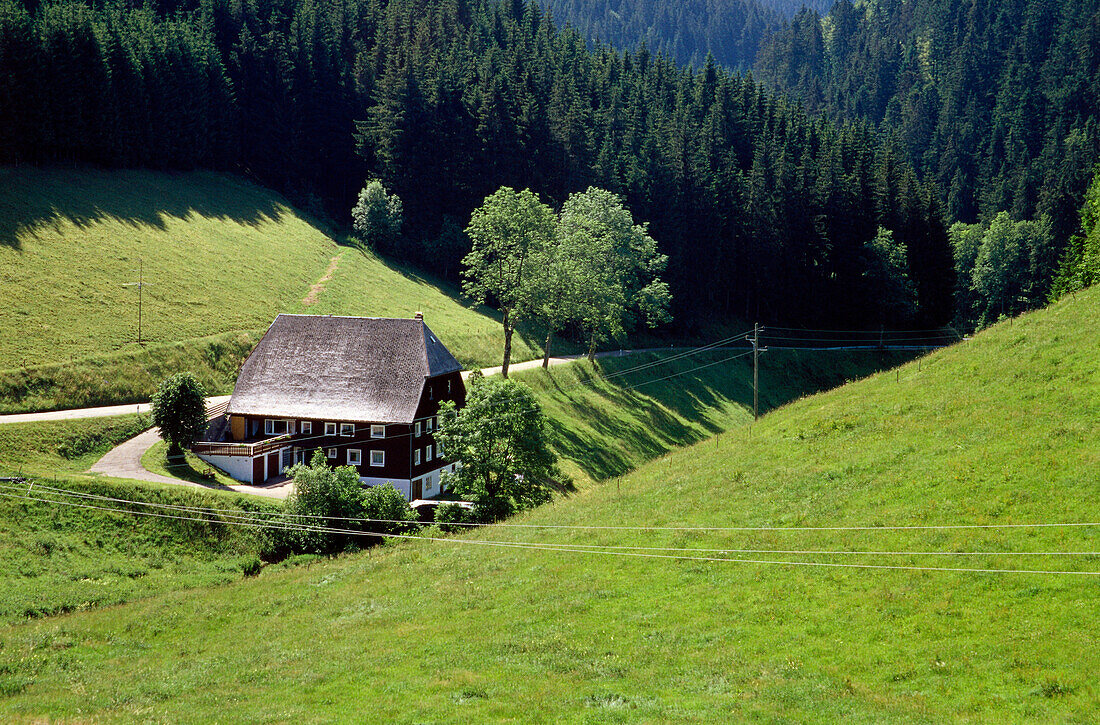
x=508, y=231
x=377, y=216
x=618, y=263
x=500, y=437
x=179, y=410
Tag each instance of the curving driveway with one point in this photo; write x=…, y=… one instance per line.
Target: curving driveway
x=124, y=460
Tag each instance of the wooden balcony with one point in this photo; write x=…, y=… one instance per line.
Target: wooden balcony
x=247, y=450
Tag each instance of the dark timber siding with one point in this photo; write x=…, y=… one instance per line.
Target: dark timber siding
x=398, y=445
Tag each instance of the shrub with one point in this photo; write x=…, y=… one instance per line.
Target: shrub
x=333, y=498
x=449, y=516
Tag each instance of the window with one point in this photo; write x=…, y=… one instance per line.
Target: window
x=430, y=397
x=428, y=453
x=355, y=456
x=439, y=449
x=430, y=423
x=275, y=427
x=416, y=429
x=307, y=427
x=416, y=457
x=448, y=387
x=378, y=431
x=378, y=458
x=331, y=453
x=330, y=429
x=347, y=430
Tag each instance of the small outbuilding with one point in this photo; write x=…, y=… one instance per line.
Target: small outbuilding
x=365, y=391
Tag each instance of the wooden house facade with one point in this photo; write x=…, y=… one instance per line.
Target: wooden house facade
x=365, y=391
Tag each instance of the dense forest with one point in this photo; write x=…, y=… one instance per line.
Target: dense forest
x=764, y=212
x=731, y=31
x=685, y=30
x=994, y=100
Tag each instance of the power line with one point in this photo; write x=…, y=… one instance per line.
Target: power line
x=510, y=414
x=587, y=549
x=69, y=492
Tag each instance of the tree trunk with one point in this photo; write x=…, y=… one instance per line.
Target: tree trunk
x=592, y=348
x=546, y=348
x=508, y=330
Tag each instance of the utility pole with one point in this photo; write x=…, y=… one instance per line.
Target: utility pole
x=140, y=284
x=756, y=330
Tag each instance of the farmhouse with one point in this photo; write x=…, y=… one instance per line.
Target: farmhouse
x=364, y=390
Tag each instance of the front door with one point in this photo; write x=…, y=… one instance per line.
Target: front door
x=272, y=464
x=417, y=490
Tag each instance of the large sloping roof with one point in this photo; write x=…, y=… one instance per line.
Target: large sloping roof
x=362, y=369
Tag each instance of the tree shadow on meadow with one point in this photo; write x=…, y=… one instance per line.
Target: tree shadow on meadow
x=652, y=416
x=33, y=198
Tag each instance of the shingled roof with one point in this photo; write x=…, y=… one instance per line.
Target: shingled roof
x=360, y=369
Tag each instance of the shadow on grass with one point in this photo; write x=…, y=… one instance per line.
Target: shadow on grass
x=34, y=197
x=638, y=416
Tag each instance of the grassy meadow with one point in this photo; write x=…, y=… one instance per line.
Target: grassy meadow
x=610, y=416
x=1001, y=430
x=63, y=558
x=222, y=257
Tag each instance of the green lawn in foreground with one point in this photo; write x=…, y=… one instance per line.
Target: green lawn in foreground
x=66, y=558
x=222, y=258
x=999, y=430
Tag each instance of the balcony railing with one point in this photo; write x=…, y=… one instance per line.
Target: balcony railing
x=249, y=450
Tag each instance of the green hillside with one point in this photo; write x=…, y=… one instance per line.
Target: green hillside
x=610, y=417
x=221, y=256
x=1001, y=430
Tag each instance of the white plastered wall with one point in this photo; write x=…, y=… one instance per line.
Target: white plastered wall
x=239, y=467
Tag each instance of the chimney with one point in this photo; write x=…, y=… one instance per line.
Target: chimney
x=419, y=316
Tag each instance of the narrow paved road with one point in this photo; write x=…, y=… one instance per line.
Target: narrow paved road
x=102, y=412
x=124, y=461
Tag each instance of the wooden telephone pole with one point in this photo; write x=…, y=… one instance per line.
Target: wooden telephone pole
x=756, y=330
x=140, y=284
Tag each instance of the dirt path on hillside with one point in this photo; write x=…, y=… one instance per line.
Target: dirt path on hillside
x=319, y=286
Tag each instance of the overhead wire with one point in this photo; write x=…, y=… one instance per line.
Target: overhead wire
x=581, y=548
x=678, y=529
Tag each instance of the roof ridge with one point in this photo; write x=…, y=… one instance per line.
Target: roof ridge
x=345, y=317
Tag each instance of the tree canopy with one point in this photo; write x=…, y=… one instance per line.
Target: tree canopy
x=500, y=437
x=179, y=410
x=377, y=217
x=510, y=231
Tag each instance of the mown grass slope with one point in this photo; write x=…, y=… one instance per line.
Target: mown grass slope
x=610, y=416
x=222, y=257
x=1001, y=430
x=77, y=557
